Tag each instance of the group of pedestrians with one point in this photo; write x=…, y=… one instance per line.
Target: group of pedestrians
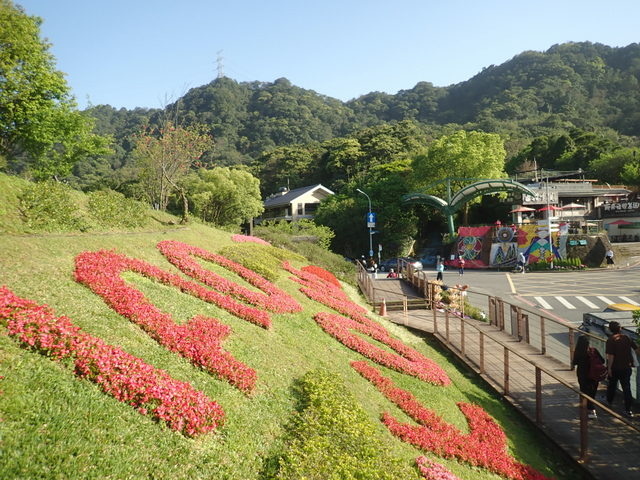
x=616, y=368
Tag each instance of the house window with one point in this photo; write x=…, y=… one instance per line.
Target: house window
x=301, y=209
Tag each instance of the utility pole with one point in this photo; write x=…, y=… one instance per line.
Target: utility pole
x=370, y=223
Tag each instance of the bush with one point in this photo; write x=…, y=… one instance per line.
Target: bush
x=292, y=232
x=113, y=209
x=262, y=259
x=50, y=206
x=311, y=241
x=333, y=439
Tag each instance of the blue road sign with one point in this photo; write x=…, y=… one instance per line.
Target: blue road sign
x=371, y=219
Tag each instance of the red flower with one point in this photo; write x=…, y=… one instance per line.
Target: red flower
x=273, y=299
x=127, y=378
x=199, y=340
x=484, y=446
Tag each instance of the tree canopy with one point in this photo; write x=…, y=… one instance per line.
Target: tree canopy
x=41, y=129
x=224, y=196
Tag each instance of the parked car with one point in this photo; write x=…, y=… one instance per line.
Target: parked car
x=429, y=256
x=390, y=263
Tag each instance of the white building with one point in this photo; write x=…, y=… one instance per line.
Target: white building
x=293, y=205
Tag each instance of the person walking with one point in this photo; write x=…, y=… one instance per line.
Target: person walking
x=440, y=270
x=522, y=261
x=461, y=263
x=619, y=363
x=582, y=356
x=609, y=258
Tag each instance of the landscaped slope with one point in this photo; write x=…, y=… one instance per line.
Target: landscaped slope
x=233, y=346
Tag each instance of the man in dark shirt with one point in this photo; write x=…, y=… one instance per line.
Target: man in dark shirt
x=619, y=363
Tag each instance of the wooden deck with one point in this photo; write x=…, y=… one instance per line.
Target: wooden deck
x=540, y=386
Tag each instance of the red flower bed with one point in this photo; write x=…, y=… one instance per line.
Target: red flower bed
x=275, y=299
x=323, y=274
x=407, y=360
x=331, y=296
x=199, y=340
x=127, y=378
x=484, y=446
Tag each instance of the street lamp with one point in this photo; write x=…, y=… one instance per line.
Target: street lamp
x=368, y=223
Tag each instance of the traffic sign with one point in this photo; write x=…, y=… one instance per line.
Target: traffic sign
x=371, y=219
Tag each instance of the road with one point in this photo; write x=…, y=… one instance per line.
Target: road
x=562, y=295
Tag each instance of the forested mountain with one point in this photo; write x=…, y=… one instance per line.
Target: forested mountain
x=574, y=85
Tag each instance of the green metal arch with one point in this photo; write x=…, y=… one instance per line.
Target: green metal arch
x=485, y=187
x=421, y=198
x=465, y=195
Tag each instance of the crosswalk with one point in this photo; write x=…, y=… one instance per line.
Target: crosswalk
x=596, y=302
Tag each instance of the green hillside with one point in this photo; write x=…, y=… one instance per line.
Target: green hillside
x=56, y=425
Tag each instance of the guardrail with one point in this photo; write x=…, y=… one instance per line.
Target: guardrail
x=544, y=335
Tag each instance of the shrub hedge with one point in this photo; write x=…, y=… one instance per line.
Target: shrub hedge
x=332, y=437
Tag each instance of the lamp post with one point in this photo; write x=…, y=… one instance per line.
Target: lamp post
x=368, y=223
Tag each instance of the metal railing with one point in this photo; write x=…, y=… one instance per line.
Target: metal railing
x=534, y=337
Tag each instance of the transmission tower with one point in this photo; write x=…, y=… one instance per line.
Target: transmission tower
x=219, y=63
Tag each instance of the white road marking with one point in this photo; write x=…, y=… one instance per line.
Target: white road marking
x=587, y=302
x=628, y=300
x=565, y=303
x=543, y=303
x=606, y=300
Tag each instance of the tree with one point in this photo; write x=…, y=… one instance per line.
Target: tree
x=41, y=129
x=609, y=167
x=463, y=157
x=224, y=196
x=164, y=155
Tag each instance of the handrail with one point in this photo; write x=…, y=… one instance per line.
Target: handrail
x=520, y=330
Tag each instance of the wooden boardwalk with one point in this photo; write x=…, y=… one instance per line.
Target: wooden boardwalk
x=541, y=387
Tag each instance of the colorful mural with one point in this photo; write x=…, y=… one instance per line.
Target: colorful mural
x=498, y=246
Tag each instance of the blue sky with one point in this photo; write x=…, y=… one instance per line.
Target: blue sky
x=146, y=53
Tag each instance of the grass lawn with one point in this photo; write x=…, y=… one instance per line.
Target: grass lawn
x=57, y=426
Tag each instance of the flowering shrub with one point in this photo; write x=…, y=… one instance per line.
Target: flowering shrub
x=275, y=299
x=431, y=470
x=125, y=377
x=249, y=238
x=484, y=446
x=198, y=340
x=323, y=274
x=408, y=361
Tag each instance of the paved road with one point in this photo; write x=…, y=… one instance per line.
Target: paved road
x=565, y=295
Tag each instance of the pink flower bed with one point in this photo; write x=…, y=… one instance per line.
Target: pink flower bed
x=199, y=340
x=249, y=239
x=273, y=299
x=485, y=445
x=125, y=377
x=430, y=470
x=407, y=360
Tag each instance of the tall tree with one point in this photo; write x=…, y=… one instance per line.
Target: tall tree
x=164, y=155
x=41, y=129
x=463, y=157
x=224, y=196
